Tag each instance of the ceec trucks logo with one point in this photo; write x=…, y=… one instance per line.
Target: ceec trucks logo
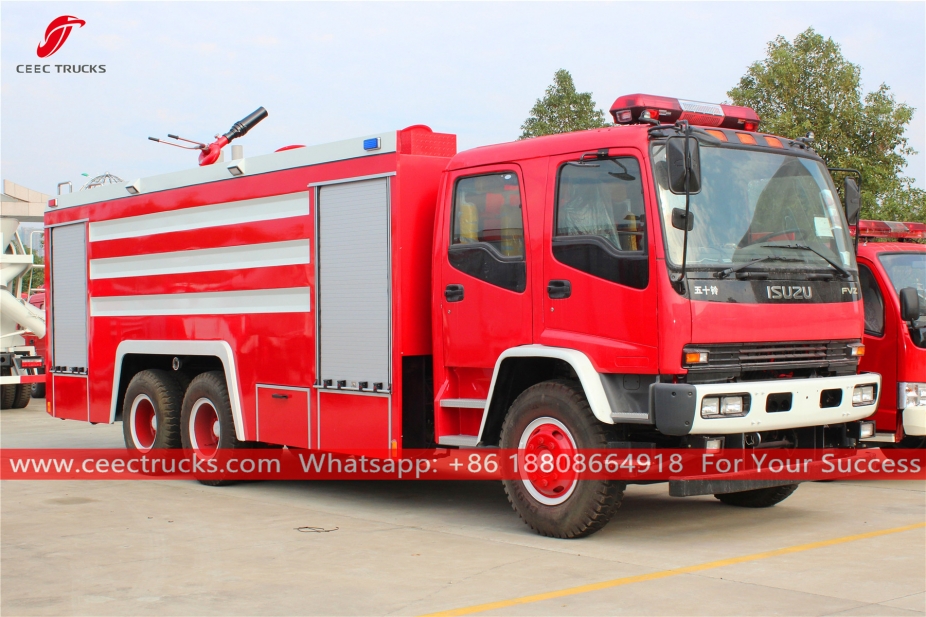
x=57, y=33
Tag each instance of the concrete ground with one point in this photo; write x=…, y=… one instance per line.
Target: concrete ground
x=180, y=548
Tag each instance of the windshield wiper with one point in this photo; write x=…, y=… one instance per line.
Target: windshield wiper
x=803, y=247
x=729, y=271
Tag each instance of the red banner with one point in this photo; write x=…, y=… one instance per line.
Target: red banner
x=643, y=465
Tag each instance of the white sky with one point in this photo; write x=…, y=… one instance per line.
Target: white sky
x=333, y=71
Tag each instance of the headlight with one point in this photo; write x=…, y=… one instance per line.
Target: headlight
x=911, y=395
x=731, y=406
x=725, y=406
x=863, y=395
x=856, y=350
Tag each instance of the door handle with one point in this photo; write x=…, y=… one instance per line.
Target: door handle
x=558, y=290
x=279, y=396
x=453, y=293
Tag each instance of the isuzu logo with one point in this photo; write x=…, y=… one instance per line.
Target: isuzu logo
x=789, y=292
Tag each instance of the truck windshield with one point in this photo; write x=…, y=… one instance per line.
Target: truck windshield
x=750, y=204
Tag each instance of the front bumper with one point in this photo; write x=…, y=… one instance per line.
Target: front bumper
x=914, y=420
x=677, y=407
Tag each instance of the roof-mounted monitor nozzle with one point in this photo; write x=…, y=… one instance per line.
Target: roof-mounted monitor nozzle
x=210, y=154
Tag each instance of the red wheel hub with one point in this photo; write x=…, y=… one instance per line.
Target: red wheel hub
x=550, y=470
x=205, y=429
x=144, y=423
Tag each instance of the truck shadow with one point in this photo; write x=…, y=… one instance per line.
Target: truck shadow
x=484, y=504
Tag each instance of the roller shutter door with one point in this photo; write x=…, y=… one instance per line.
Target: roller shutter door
x=69, y=295
x=353, y=283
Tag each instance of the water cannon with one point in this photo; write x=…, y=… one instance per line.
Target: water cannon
x=210, y=154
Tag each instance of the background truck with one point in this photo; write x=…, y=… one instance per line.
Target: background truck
x=892, y=274
x=678, y=280
x=20, y=322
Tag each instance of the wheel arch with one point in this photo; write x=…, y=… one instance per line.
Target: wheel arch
x=135, y=356
x=519, y=368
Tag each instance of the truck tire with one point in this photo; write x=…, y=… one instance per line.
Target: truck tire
x=7, y=396
x=22, y=395
x=206, y=423
x=555, y=417
x=151, y=412
x=38, y=390
x=758, y=498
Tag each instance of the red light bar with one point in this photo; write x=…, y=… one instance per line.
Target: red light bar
x=30, y=361
x=890, y=229
x=630, y=108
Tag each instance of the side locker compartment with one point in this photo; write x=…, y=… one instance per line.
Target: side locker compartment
x=354, y=320
x=283, y=416
x=69, y=331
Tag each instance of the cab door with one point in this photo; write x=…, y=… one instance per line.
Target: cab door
x=880, y=339
x=598, y=296
x=485, y=301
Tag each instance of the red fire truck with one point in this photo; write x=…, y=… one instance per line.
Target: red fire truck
x=678, y=280
x=892, y=276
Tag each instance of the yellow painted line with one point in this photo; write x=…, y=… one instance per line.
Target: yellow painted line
x=627, y=580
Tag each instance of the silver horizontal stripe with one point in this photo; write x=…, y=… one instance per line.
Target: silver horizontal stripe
x=695, y=107
x=201, y=217
x=291, y=300
x=292, y=252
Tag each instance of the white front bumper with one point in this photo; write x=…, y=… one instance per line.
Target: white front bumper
x=914, y=420
x=805, y=404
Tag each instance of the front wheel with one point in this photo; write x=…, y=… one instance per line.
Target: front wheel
x=206, y=423
x=552, y=421
x=758, y=498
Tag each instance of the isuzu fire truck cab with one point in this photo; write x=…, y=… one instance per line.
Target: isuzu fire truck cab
x=892, y=274
x=676, y=280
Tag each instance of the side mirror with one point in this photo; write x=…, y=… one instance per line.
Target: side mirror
x=681, y=166
x=909, y=304
x=679, y=219
x=853, y=200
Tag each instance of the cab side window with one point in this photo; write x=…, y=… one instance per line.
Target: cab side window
x=873, y=301
x=600, y=225
x=487, y=235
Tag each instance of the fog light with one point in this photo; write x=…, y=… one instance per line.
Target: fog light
x=710, y=407
x=713, y=443
x=731, y=406
x=866, y=430
x=863, y=395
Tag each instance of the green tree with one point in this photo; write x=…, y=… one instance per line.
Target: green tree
x=809, y=86
x=562, y=110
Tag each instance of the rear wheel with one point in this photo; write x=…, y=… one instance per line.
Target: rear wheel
x=151, y=411
x=553, y=419
x=758, y=498
x=207, y=425
x=7, y=391
x=7, y=396
x=22, y=395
